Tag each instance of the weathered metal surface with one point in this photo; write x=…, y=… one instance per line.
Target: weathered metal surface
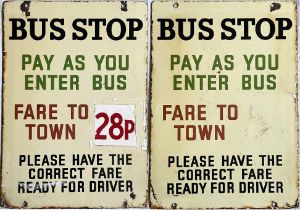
x=263, y=121
x=26, y=56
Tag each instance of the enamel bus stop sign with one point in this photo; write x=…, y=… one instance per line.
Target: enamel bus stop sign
x=74, y=105
x=224, y=105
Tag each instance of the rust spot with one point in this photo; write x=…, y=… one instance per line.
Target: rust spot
x=125, y=204
x=146, y=202
x=25, y=8
x=288, y=205
x=247, y=207
x=132, y=195
x=174, y=206
x=274, y=6
x=4, y=202
x=153, y=193
x=25, y=204
x=292, y=206
x=274, y=204
x=153, y=206
x=176, y=5
x=124, y=6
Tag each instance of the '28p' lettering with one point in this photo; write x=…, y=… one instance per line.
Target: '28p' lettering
x=119, y=128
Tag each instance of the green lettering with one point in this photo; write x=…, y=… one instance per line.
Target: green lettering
x=175, y=59
x=176, y=82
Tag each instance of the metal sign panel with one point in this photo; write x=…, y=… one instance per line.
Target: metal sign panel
x=224, y=105
x=74, y=104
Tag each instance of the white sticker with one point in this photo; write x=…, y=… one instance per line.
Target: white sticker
x=115, y=125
